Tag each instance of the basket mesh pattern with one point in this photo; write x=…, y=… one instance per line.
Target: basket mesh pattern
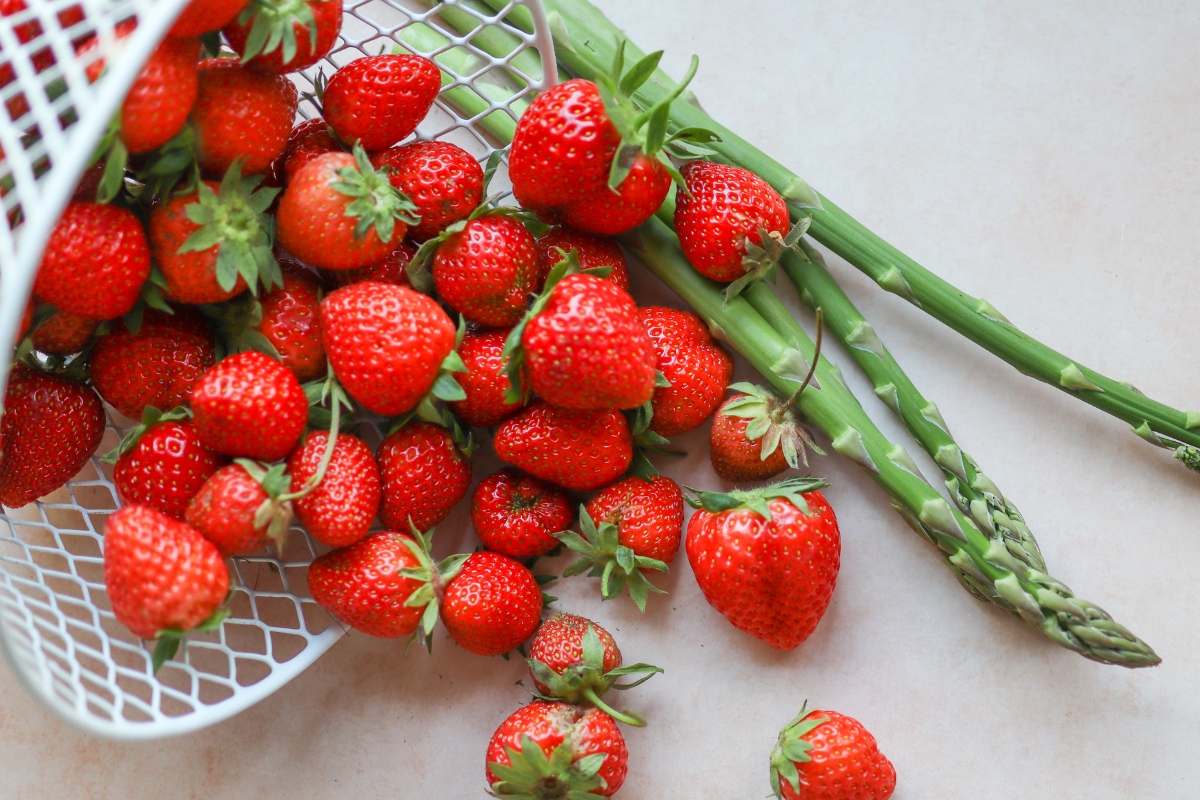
x=55, y=620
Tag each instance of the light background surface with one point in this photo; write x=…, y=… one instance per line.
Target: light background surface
x=1041, y=155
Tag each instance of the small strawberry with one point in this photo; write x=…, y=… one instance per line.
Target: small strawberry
x=163, y=578
x=485, y=268
x=387, y=344
x=697, y=369
x=767, y=558
x=157, y=366
x=603, y=556
x=161, y=463
x=546, y=750
x=63, y=333
x=50, y=427
x=593, y=252
x=241, y=113
x=339, y=212
x=241, y=507
x=289, y=322
x=309, y=139
x=648, y=515
x=831, y=756
x=250, y=405
x=484, y=380
x=95, y=262
x=578, y=450
x=517, y=515
x=443, y=181
x=391, y=269
x=204, y=16
x=424, y=474
x=343, y=505
x=491, y=605
x=756, y=436
x=378, y=100
x=283, y=36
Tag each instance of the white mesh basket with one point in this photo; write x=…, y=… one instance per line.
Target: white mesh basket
x=55, y=622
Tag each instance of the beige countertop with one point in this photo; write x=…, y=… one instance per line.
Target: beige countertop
x=1041, y=155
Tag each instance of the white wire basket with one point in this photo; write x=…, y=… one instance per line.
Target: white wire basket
x=56, y=626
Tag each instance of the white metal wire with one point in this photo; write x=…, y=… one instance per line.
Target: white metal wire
x=56, y=626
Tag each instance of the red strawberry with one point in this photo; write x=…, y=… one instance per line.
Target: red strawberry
x=289, y=323
x=648, y=515
x=163, y=578
x=26, y=320
x=158, y=366
x=342, y=507
x=767, y=558
x=492, y=605
x=582, y=753
x=241, y=113
x=162, y=464
x=63, y=333
x=696, y=367
x=202, y=16
x=424, y=476
x=386, y=344
x=829, y=755
x=379, y=100
x=486, y=269
x=241, y=507
x=443, y=181
x=282, y=36
x=755, y=436
x=484, y=382
x=579, y=450
x=250, y=405
x=339, y=212
x=95, y=262
x=635, y=201
x=390, y=269
x=517, y=515
x=51, y=426
x=593, y=251
x=309, y=139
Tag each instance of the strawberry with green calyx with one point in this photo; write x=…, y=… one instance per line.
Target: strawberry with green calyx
x=603, y=556
x=574, y=659
x=484, y=382
x=283, y=36
x=648, y=513
x=444, y=181
x=236, y=324
x=578, y=450
x=517, y=515
x=378, y=100
x=829, y=755
x=492, y=605
x=592, y=251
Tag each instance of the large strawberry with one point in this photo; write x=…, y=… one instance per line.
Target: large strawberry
x=343, y=505
x=391, y=269
x=203, y=16
x=492, y=604
x=163, y=578
x=378, y=100
x=309, y=139
x=285, y=35
x=425, y=473
x=250, y=405
x=593, y=252
x=546, y=750
x=241, y=507
x=484, y=381
x=161, y=463
x=578, y=450
x=443, y=181
x=63, y=333
x=339, y=212
x=831, y=756
x=50, y=427
x=289, y=322
x=697, y=369
x=387, y=344
x=95, y=262
x=767, y=558
x=157, y=366
x=756, y=436
x=241, y=113
x=485, y=268
x=518, y=515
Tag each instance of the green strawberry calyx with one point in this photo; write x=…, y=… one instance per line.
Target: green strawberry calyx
x=151, y=416
x=792, y=749
x=274, y=26
x=585, y=681
x=433, y=578
x=772, y=422
x=529, y=775
x=167, y=640
x=237, y=324
x=603, y=556
x=761, y=259
x=376, y=203
x=758, y=499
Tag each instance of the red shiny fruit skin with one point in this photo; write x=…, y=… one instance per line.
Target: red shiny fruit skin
x=250, y=405
x=845, y=763
x=241, y=113
x=191, y=276
x=558, y=644
x=289, y=322
x=343, y=506
x=648, y=515
x=515, y=515
x=361, y=585
x=224, y=509
x=578, y=450
x=442, y=180
x=202, y=16
x=379, y=100
x=165, y=469
x=309, y=139
x=327, y=14
x=734, y=457
x=492, y=606
x=484, y=381
x=698, y=369
x=637, y=198
x=63, y=333
x=487, y=271
x=390, y=269
x=424, y=476
x=593, y=252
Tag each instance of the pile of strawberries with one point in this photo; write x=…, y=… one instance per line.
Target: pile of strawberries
x=244, y=286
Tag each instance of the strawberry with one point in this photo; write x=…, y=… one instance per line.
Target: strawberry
x=95, y=262
x=161, y=463
x=378, y=100
x=339, y=212
x=484, y=383
x=424, y=474
x=158, y=366
x=241, y=507
x=548, y=750
x=443, y=181
x=485, y=268
x=635, y=200
x=241, y=113
x=282, y=36
x=387, y=344
x=767, y=558
x=289, y=322
x=390, y=269
x=696, y=367
x=516, y=515
x=163, y=578
x=250, y=405
x=212, y=243
x=309, y=139
x=829, y=755
x=203, y=16
x=756, y=436
x=578, y=450
x=50, y=427
x=62, y=333
x=593, y=252
x=26, y=320
x=492, y=604
x=343, y=505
